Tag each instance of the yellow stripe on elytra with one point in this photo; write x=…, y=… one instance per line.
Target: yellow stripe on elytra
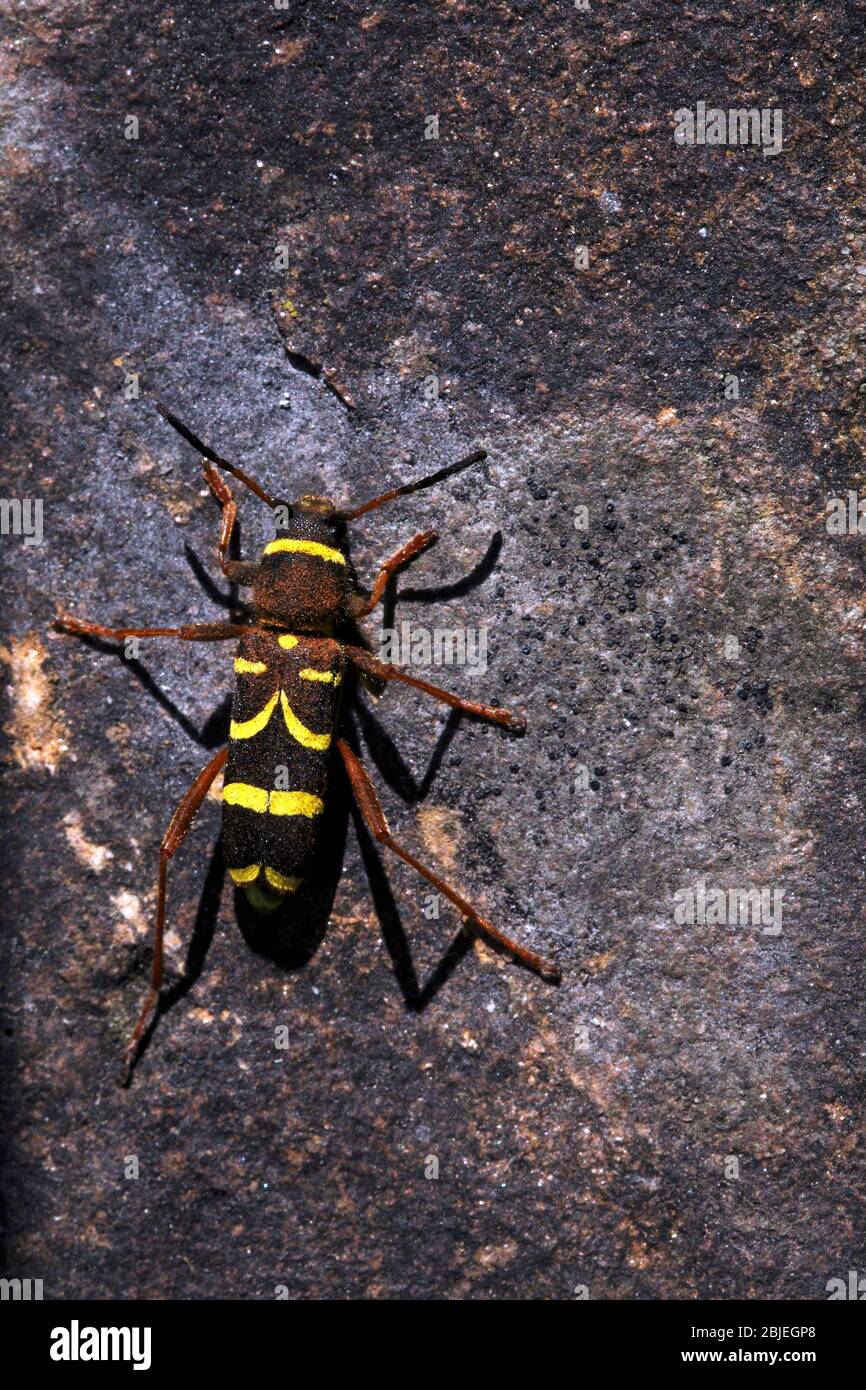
x=249, y=668
x=287, y=640
x=299, y=731
x=278, y=803
x=283, y=883
x=309, y=673
x=245, y=875
x=322, y=552
x=248, y=728
x=242, y=794
x=295, y=804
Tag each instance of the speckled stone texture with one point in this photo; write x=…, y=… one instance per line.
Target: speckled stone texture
x=285, y=259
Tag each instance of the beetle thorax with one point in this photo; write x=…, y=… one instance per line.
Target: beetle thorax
x=303, y=578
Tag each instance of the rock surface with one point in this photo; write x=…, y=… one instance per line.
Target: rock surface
x=284, y=258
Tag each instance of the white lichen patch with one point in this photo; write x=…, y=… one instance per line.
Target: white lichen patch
x=38, y=736
x=128, y=907
x=93, y=856
x=442, y=832
x=215, y=790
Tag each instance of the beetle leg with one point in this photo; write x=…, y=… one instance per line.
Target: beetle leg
x=194, y=632
x=223, y=494
x=391, y=566
x=384, y=671
x=374, y=817
x=238, y=571
x=174, y=836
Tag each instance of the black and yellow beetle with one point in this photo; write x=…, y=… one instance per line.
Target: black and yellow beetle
x=285, y=722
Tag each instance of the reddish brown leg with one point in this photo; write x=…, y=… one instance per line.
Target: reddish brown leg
x=235, y=570
x=238, y=571
x=223, y=494
x=390, y=568
x=194, y=632
x=374, y=817
x=383, y=671
x=171, y=840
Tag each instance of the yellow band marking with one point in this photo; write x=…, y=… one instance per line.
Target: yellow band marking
x=309, y=673
x=295, y=804
x=248, y=728
x=282, y=882
x=278, y=803
x=245, y=875
x=322, y=552
x=299, y=731
x=287, y=640
x=249, y=668
x=242, y=794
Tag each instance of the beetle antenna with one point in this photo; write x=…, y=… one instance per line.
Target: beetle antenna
x=208, y=453
x=477, y=457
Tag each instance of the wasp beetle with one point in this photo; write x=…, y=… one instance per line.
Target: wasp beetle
x=285, y=725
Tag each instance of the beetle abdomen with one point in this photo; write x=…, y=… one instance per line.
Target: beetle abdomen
x=276, y=777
